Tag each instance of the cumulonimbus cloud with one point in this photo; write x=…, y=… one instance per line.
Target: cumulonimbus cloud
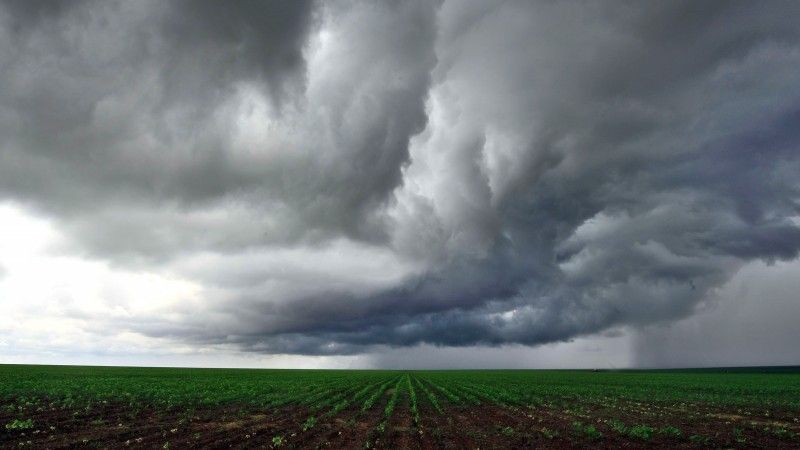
x=342, y=175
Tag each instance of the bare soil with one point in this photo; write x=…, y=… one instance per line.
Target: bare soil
x=460, y=426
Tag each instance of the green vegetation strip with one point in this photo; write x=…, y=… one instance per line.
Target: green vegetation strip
x=749, y=408
x=430, y=396
x=393, y=399
x=412, y=395
x=375, y=395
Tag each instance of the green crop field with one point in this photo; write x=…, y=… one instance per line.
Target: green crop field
x=65, y=406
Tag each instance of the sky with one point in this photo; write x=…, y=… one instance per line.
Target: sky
x=416, y=184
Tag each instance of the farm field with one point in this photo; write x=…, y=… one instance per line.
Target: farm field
x=69, y=406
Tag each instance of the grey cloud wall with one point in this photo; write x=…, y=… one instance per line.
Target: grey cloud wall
x=342, y=175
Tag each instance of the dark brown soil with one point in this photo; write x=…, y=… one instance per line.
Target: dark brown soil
x=460, y=426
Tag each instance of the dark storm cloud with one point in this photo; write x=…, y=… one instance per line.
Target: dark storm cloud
x=343, y=175
x=126, y=119
x=111, y=105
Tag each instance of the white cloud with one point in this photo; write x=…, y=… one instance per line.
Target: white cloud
x=52, y=303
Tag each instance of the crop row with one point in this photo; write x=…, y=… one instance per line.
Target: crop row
x=77, y=387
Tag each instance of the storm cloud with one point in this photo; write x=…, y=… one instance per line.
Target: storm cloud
x=331, y=178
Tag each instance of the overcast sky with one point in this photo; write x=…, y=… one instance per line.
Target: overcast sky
x=400, y=184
